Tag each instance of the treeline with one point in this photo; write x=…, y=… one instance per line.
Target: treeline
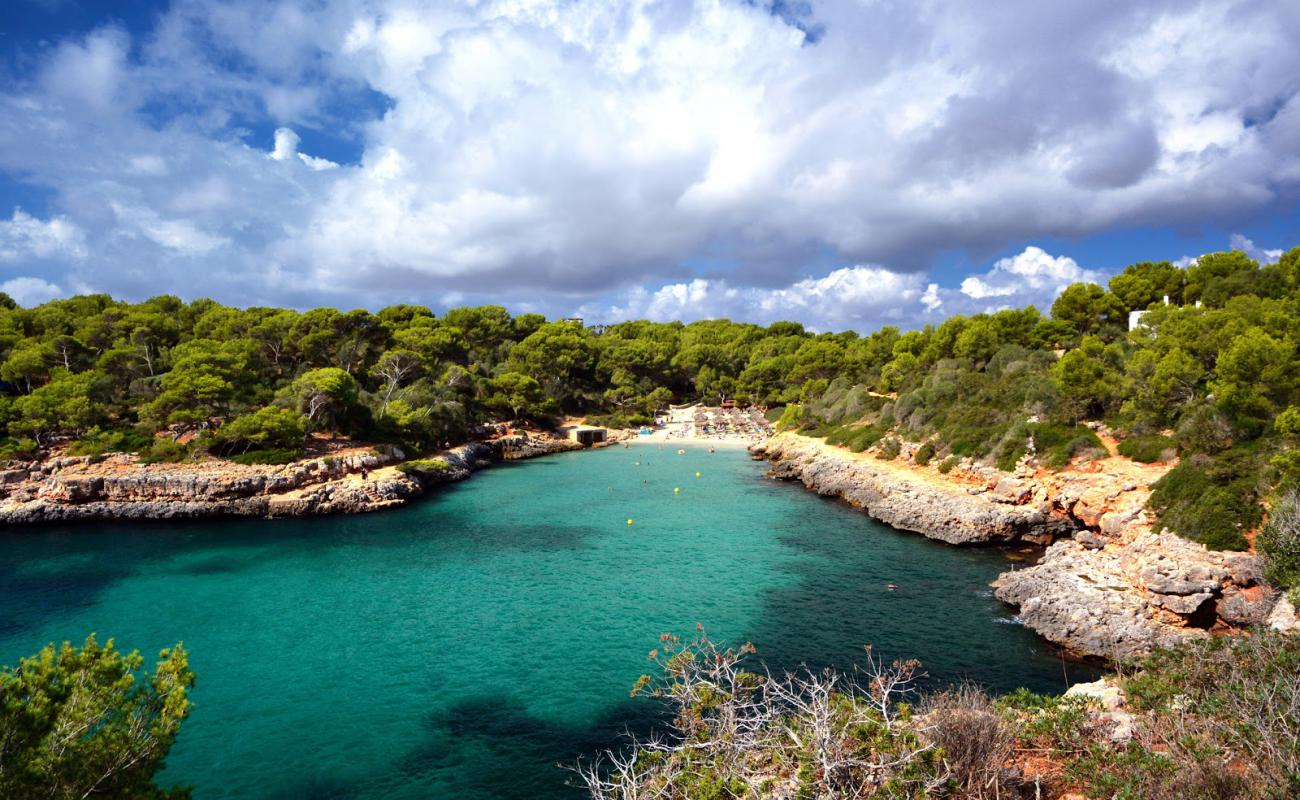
x=1208, y=374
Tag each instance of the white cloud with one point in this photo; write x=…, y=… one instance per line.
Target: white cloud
x=27, y=291
x=25, y=237
x=1032, y=273
x=578, y=150
x=286, y=148
x=860, y=298
x=1247, y=246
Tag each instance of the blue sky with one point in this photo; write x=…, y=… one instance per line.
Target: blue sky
x=845, y=164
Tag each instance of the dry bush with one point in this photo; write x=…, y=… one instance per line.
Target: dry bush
x=975, y=738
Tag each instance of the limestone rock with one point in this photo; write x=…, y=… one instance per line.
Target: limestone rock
x=1283, y=618
x=1250, y=606
x=894, y=494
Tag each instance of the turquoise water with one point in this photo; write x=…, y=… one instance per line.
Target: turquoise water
x=463, y=646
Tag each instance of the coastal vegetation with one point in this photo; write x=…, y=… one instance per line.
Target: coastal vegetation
x=87, y=721
x=1204, y=374
x=1218, y=718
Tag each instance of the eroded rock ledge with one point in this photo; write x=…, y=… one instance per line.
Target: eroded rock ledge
x=118, y=487
x=950, y=511
x=1108, y=587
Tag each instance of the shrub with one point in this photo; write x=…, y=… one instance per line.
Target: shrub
x=889, y=449
x=975, y=737
x=1212, y=500
x=1279, y=541
x=97, y=442
x=1148, y=449
x=619, y=421
x=947, y=464
x=21, y=448
x=164, y=451
x=266, y=429
x=424, y=465
x=269, y=456
x=923, y=454
x=1056, y=445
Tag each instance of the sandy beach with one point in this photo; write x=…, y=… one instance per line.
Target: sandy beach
x=708, y=425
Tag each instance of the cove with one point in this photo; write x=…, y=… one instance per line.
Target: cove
x=464, y=645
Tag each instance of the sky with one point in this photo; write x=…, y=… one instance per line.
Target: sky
x=846, y=164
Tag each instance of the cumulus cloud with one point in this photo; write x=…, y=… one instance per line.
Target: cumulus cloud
x=582, y=150
x=286, y=149
x=1032, y=273
x=860, y=298
x=24, y=237
x=851, y=297
x=1260, y=254
x=28, y=291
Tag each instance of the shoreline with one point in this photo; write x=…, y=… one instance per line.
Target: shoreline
x=352, y=481
x=1106, y=586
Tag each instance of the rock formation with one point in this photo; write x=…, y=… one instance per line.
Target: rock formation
x=1113, y=588
x=907, y=499
x=119, y=487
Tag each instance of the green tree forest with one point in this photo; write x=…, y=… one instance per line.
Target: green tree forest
x=1208, y=375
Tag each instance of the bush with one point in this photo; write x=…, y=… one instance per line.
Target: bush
x=923, y=454
x=1056, y=445
x=164, y=451
x=975, y=737
x=889, y=449
x=270, y=456
x=619, y=421
x=1212, y=500
x=1279, y=541
x=98, y=442
x=424, y=465
x=947, y=464
x=22, y=449
x=1148, y=449
x=266, y=429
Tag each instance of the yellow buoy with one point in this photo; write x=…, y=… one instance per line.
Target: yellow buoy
x=629, y=520
x=677, y=490
x=697, y=474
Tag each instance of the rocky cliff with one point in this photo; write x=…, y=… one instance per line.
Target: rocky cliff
x=1109, y=586
x=350, y=481
x=949, y=510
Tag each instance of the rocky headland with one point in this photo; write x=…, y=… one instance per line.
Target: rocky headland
x=348, y=481
x=1108, y=585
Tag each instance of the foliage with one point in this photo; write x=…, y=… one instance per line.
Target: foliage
x=165, y=451
x=1149, y=448
x=416, y=466
x=97, y=442
x=1279, y=541
x=81, y=722
x=268, y=428
x=268, y=456
x=735, y=732
x=923, y=454
x=1212, y=501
